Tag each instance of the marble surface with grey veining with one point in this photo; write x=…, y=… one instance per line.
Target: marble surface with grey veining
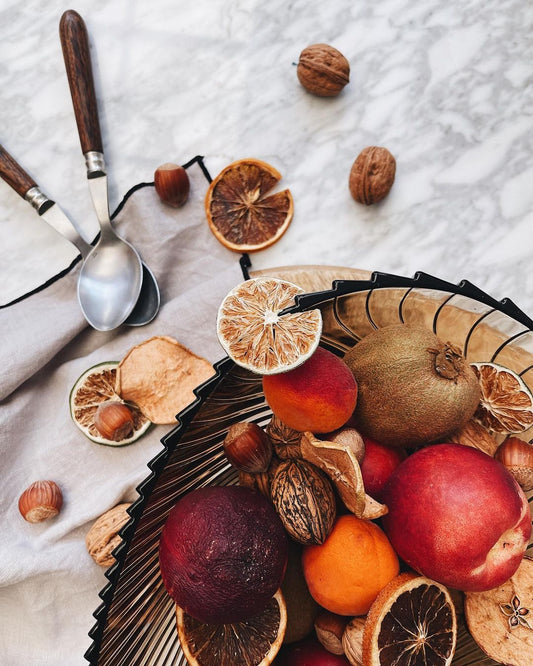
x=446, y=87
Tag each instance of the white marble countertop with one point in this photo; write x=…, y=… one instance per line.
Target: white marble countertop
x=447, y=88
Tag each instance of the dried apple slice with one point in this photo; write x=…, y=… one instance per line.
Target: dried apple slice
x=501, y=620
x=159, y=376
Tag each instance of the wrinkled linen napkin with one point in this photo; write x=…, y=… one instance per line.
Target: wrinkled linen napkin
x=49, y=584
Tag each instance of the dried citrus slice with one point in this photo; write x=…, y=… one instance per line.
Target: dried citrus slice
x=501, y=620
x=506, y=401
x=241, y=213
x=256, y=337
x=252, y=642
x=412, y=621
x=97, y=385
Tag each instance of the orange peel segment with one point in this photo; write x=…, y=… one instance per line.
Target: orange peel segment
x=256, y=337
x=412, y=620
x=506, y=401
x=252, y=642
x=241, y=213
x=159, y=376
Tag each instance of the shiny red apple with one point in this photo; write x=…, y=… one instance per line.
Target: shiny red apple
x=457, y=516
x=378, y=463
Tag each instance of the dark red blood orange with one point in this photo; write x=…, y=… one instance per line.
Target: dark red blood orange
x=222, y=553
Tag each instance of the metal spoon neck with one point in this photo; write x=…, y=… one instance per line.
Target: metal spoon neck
x=95, y=164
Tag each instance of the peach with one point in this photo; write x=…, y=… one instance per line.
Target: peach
x=378, y=463
x=319, y=395
x=457, y=516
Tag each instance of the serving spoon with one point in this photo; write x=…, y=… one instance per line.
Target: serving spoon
x=147, y=305
x=111, y=275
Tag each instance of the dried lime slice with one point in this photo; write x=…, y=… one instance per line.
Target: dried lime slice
x=254, y=334
x=97, y=385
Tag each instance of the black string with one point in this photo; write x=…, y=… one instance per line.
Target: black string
x=198, y=159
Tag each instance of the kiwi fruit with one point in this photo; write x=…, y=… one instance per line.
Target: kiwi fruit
x=413, y=388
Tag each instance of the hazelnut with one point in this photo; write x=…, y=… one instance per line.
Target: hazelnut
x=372, y=175
x=172, y=184
x=40, y=501
x=103, y=537
x=114, y=420
x=322, y=70
x=329, y=628
x=352, y=641
x=248, y=448
x=517, y=456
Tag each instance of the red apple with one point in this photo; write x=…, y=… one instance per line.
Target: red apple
x=308, y=652
x=457, y=516
x=379, y=462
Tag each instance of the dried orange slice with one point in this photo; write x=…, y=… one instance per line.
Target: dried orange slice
x=94, y=386
x=506, y=402
x=252, y=642
x=241, y=213
x=256, y=337
x=412, y=621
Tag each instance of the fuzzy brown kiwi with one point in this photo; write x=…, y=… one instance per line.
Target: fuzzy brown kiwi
x=413, y=388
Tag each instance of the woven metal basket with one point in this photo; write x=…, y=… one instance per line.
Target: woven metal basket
x=136, y=621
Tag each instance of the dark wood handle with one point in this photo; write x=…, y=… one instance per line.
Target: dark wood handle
x=75, y=45
x=14, y=174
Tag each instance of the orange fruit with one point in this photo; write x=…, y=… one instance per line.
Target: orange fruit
x=412, y=621
x=241, y=213
x=346, y=572
x=254, y=334
x=506, y=402
x=254, y=641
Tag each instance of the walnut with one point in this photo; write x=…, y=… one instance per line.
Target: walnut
x=372, y=175
x=352, y=641
x=322, y=70
x=103, y=538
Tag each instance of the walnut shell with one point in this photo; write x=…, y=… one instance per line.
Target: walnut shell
x=322, y=70
x=103, y=538
x=304, y=499
x=372, y=175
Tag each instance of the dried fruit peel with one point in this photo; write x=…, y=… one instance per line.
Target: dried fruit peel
x=254, y=335
x=340, y=464
x=498, y=619
x=159, y=375
x=95, y=386
x=240, y=214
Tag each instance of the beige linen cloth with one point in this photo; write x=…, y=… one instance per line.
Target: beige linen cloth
x=49, y=584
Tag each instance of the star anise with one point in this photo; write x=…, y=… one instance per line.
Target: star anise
x=515, y=613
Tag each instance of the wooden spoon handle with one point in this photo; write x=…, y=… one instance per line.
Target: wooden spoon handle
x=75, y=45
x=14, y=174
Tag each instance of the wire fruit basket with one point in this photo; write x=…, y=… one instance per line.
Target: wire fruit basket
x=136, y=622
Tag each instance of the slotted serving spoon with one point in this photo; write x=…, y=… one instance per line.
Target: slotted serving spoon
x=147, y=305
x=111, y=277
